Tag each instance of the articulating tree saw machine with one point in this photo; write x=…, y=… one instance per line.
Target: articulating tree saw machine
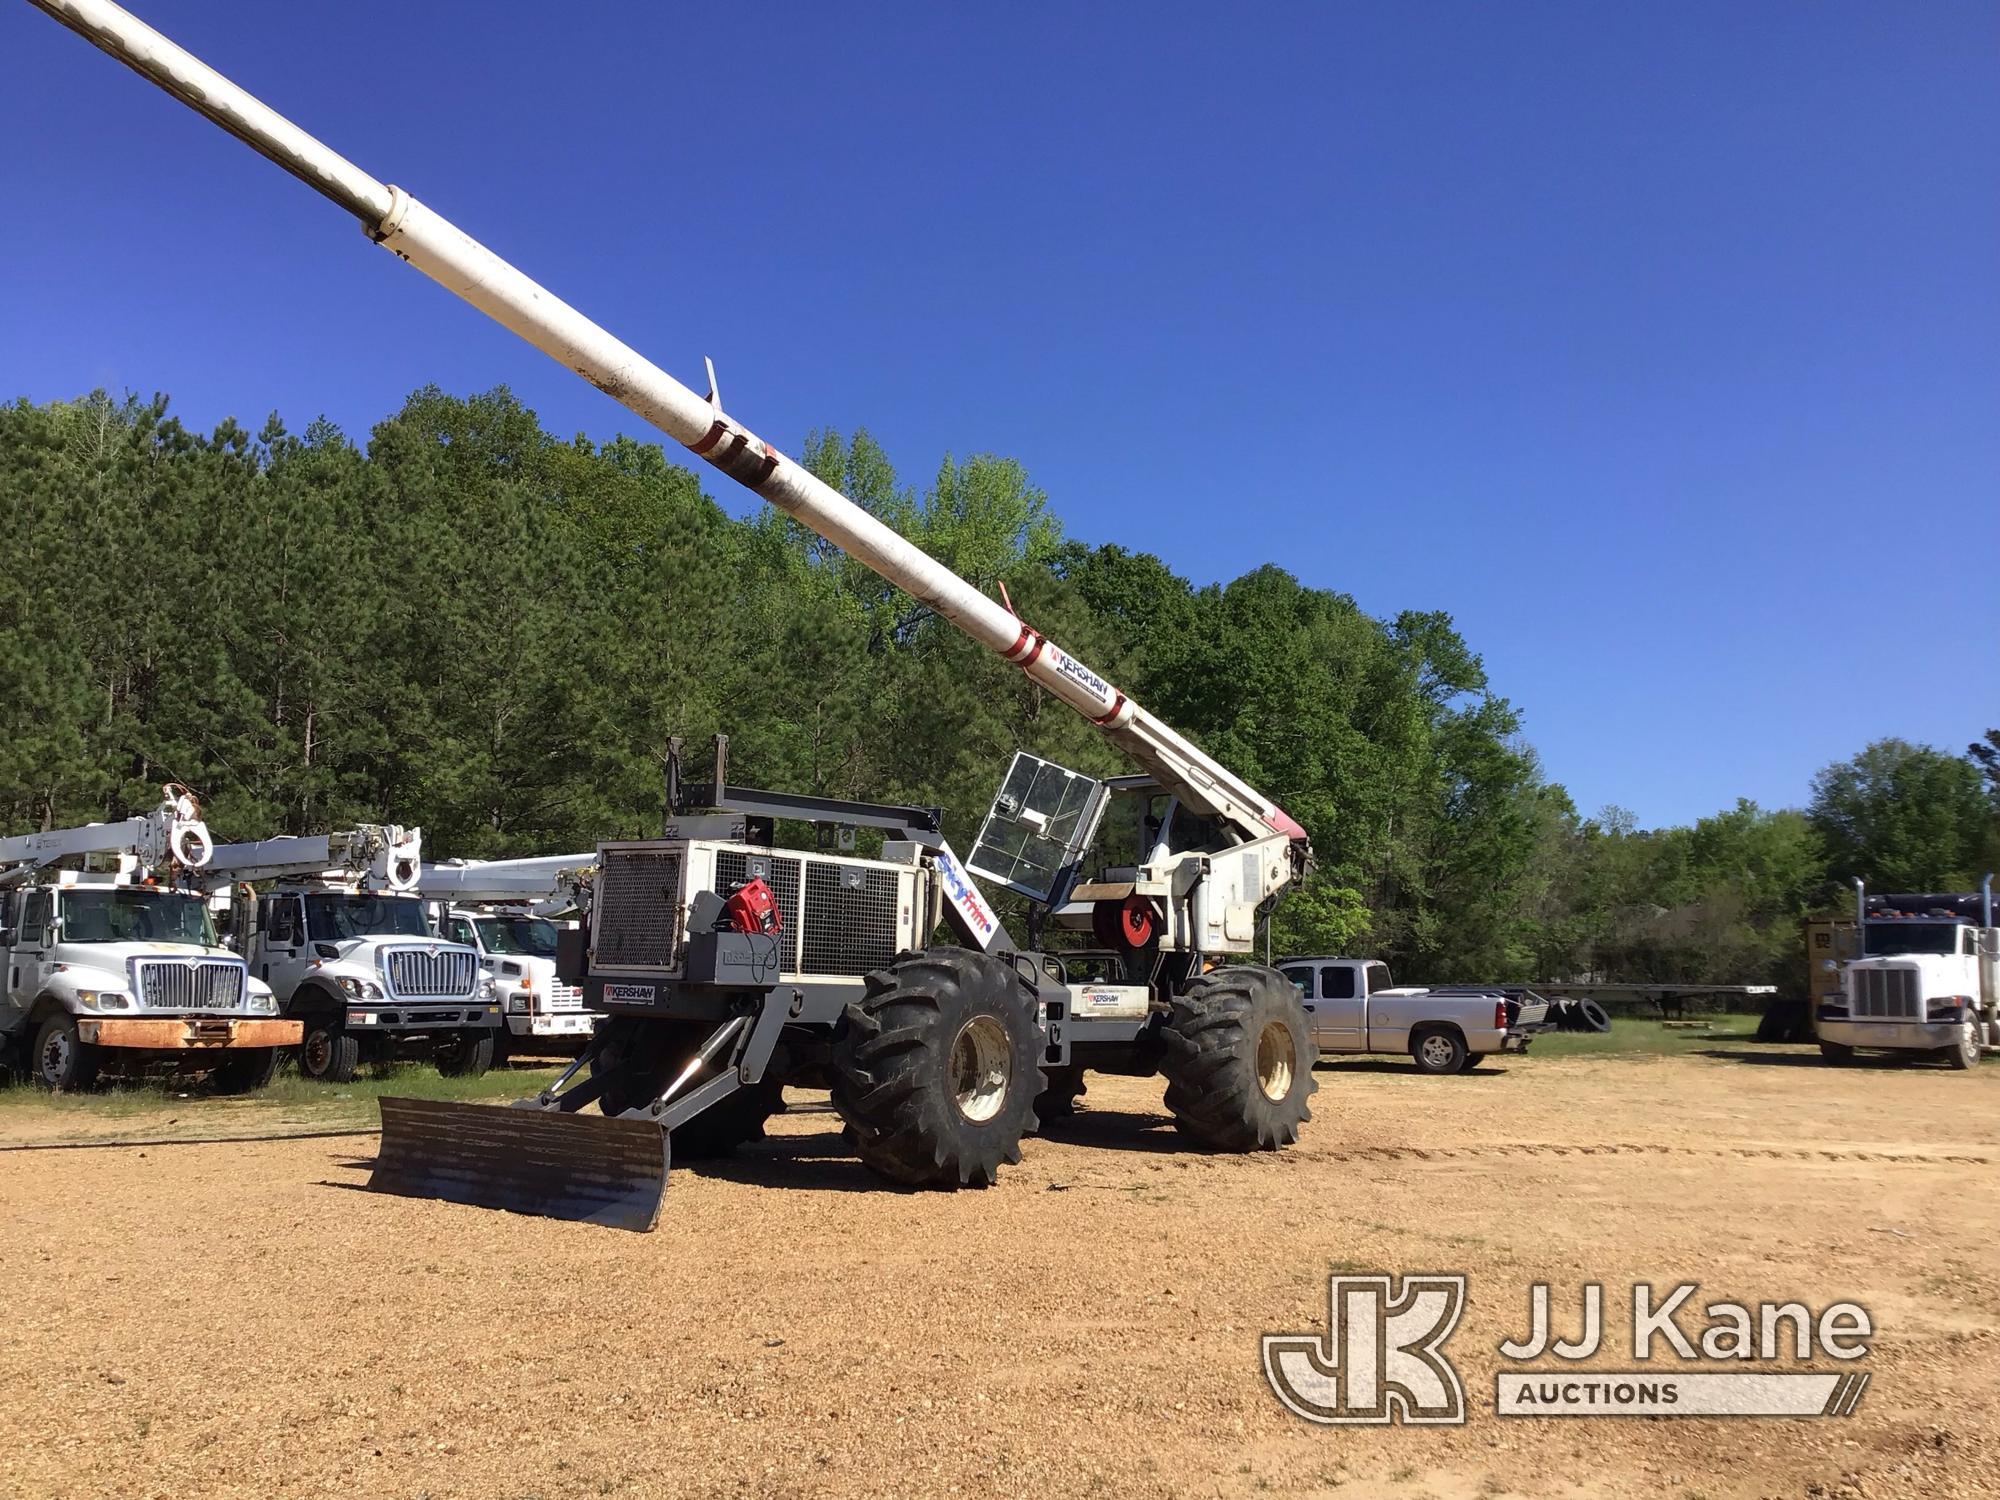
x=728, y=966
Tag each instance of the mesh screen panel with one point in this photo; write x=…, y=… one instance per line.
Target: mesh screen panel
x=636, y=911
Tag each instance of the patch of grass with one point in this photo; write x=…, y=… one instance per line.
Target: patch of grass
x=1643, y=1037
x=300, y=1099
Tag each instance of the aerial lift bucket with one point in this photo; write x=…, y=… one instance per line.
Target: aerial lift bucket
x=584, y=1168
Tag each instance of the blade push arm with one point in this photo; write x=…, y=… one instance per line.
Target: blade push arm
x=396, y=221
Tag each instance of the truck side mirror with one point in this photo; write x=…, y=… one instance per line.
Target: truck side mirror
x=8, y=937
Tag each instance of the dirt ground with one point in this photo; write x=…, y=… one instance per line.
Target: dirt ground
x=241, y=1319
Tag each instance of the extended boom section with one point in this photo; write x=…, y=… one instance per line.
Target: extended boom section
x=455, y=260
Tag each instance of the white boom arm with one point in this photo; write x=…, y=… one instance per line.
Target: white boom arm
x=171, y=834
x=449, y=256
x=477, y=882
x=374, y=856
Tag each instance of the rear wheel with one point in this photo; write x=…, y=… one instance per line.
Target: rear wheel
x=463, y=1054
x=1239, y=1060
x=245, y=1071
x=328, y=1053
x=62, y=1059
x=937, y=1068
x=1438, y=1051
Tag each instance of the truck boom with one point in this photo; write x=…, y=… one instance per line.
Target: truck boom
x=171, y=834
x=463, y=266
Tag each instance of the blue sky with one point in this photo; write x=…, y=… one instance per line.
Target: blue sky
x=1660, y=344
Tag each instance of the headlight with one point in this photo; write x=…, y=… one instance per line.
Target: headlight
x=264, y=1005
x=104, y=999
x=486, y=990
x=360, y=989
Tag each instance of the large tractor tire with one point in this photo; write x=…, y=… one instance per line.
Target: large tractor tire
x=937, y=1067
x=639, y=1058
x=245, y=1071
x=1239, y=1060
x=1058, y=1100
x=62, y=1060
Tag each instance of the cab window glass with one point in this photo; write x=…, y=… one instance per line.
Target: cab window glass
x=1337, y=984
x=1303, y=978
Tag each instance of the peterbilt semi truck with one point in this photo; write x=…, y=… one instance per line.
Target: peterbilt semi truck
x=1927, y=980
x=344, y=941
x=112, y=962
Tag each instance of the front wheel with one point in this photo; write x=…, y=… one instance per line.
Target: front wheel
x=1239, y=1060
x=328, y=1053
x=246, y=1071
x=937, y=1067
x=1964, y=1053
x=64, y=1061
x=463, y=1054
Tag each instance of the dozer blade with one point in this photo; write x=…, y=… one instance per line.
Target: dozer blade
x=560, y=1166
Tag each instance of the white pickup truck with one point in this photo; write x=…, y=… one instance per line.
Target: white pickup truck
x=1352, y=1006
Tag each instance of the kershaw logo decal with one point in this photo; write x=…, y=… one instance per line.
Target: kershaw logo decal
x=1381, y=1359
x=637, y=992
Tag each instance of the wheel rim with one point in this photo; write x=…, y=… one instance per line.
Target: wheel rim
x=318, y=1046
x=55, y=1057
x=1276, y=1060
x=982, y=1065
x=1437, y=1051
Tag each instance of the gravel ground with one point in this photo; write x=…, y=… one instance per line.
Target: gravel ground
x=241, y=1319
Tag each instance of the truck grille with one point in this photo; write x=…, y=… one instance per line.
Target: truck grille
x=431, y=973
x=1886, y=995
x=191, y=984
x=636, y=909
x=565, y=996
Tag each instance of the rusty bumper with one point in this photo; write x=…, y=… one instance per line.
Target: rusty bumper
x=177, y=1034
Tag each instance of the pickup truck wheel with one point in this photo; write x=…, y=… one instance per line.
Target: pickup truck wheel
x=1438, y=1051
x=328, y=1053
x=1964, y=1054
x=64, y=1061
x=936, y=1068
x=1239, y=1060
x=245, y=1071
x=1836, y=1053
x=463, y=1054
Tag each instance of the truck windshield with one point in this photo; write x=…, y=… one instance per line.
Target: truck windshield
x=532, y=937
x=124, y=915
x=1882, y=938
x=333, y=917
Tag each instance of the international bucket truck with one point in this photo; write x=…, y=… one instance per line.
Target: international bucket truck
x=729, y=965
x=341, y=935
x=503, y=908
x=112, y=961
x=1927, y=980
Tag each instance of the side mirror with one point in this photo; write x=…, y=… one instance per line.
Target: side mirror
x=8, y=937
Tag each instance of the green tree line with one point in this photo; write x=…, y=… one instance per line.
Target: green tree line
x=475, y=626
